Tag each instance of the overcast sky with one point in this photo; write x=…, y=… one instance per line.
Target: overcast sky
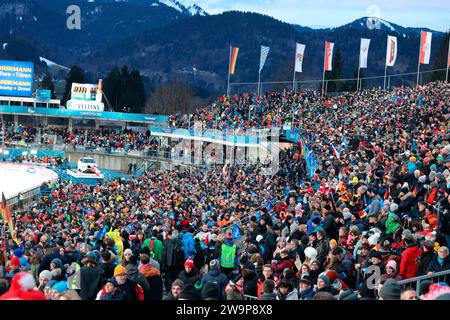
x=433, y=14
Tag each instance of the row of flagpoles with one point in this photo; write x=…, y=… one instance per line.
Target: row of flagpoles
x=391, y=57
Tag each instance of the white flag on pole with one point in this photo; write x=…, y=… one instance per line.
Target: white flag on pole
x=425, y=47
x=300, y=51
x=329, y=46
x=363, y=52
x=391, y=51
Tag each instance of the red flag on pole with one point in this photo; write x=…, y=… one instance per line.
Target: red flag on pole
x=328, y=56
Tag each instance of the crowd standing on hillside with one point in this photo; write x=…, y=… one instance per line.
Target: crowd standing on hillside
x=380, y=198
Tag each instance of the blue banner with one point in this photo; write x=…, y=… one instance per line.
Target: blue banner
x=95, y=115
x=16, y=78
x=43, y=95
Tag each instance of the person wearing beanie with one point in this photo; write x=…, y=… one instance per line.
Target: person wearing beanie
x=44, y=278
x=324, y=285
x=175, y=290
x=14, y=266
x=59, y=289
x=390, y=272
x=111, y=291
x=217, y=276
x=189, y=275
x=390, y=290
x=126, y=256
x=131, y=289
x=410, y=256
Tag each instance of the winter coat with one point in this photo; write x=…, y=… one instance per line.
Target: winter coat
x=189, y=245
x=251, y=284
x=156, y=249
x=132, y=290
x=173, y=255
x=291, y=295
x=216, y=276
x=134, y=274
x=284, y=263
x=153, y=277
x=329, y=226
x=322, y=250
x=409, y=262
x=234, y=292
x=424, y=262
x=91, y=281
x=306, y=294
x=189, y=278
x=268, y=296
x=435, y=266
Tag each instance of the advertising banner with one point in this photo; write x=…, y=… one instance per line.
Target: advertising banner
x=16, y=78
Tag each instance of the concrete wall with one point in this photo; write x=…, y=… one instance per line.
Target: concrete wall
x=104, y=161
x=120, y=162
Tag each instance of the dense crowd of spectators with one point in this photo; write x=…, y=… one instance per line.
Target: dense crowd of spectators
x=380, y=199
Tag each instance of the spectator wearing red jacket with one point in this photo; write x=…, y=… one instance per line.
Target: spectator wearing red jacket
x=285, y=262
x=410, y=257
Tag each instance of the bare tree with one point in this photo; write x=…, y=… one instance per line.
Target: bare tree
x=170, y=98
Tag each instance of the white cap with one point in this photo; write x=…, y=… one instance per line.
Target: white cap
x=259, y=237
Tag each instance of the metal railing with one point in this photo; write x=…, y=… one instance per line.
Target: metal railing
x=415, y=282
x=247, y=297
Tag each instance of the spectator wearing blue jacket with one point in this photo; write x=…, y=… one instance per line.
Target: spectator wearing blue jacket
x=189, y=244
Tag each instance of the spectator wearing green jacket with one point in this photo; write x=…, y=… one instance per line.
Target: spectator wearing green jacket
x=155, y=246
